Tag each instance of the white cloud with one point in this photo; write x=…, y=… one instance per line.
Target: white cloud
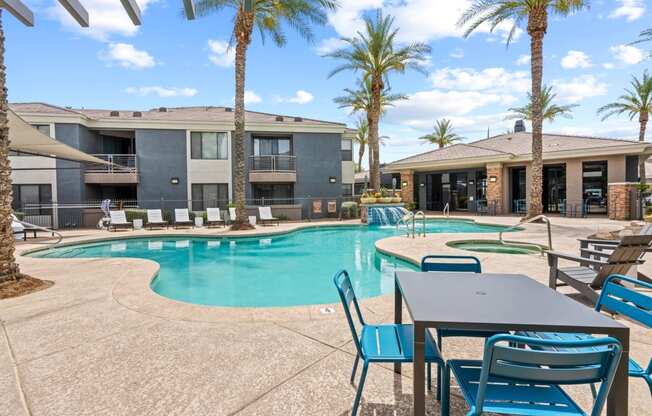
x=629, y=9
x=301, y=97
x=107, y=17
x=608, y=65
x=627, y=54
x=523, y=60
x=329, y=45
x=576, y=59
x=127, y=56
x=251, y=97
x=163, y=92
x=488, y=79
x=347, y=19
x=221, y=53
x=579, y=88
x=457, y=53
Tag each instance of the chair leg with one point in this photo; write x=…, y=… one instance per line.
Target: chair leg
x=429, y=376
x=355, y=368
x=358, y=394
x=440, y=369
x=445, y=386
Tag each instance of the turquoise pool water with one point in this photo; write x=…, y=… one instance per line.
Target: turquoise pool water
x=287, y=270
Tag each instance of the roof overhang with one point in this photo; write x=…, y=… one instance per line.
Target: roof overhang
x=26, y=139
x=21, y=12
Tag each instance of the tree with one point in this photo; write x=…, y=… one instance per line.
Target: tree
x=550, y=110
x=362, y=127
x=360, y=100
x=443, y=135
x=374, y=53
x=269, y=17
x=496, y=12
x=636, y=102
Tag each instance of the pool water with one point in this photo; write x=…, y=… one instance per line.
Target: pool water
x=489, y=246
x=286, y=270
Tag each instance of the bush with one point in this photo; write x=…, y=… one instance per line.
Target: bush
x=136, y=214
x=350, y=210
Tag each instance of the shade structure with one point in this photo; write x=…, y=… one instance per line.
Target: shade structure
x=25, y=138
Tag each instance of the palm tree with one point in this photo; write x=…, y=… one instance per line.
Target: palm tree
x=269, y=17
x=645, y=36
x=9, y=269
x=362, y=127
x=495, y=12
x=636, y=102
x=374, y=53
x=443, y=135
x=360, y=100
x=550, y=110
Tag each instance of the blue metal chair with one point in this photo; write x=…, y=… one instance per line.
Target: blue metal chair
x=516, y=381
x=470, y=264
x=389, y=343
x=616, y=298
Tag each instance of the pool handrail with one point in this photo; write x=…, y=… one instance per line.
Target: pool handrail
x=422, y=215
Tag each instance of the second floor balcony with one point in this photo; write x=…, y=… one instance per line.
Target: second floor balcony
x=272, y=168
x=122, y=169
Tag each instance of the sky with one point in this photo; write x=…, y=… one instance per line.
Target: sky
x=169, y=61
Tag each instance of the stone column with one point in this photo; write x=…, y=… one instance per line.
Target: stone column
x=407, y=186
x=495, y=187
x=620, y=200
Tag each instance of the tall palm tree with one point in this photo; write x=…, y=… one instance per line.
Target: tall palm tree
x=549, y=109
x=362, y=127
x=373, y=52
x=360, y=100
x=495, y=12
x=269, y=17
x=637, y=101
x=443, y=135
x=8, y=267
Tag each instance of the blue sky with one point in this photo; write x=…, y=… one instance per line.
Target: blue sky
x=169, y=61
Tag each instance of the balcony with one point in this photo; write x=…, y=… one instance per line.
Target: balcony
x=272, y=169
x=122, y=170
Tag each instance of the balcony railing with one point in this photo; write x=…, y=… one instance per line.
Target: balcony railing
x=119, y=163
x=272, y=163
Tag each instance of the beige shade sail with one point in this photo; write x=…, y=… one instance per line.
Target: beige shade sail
x=25, y=138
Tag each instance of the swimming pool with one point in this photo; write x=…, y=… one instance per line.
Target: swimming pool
x=286, y=270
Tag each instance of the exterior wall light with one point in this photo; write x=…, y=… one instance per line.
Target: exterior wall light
x=174, y=181
x=404, y=184
x=332, y=179
x=493, y=179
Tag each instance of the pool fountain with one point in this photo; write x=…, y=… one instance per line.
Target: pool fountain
x=385, y=214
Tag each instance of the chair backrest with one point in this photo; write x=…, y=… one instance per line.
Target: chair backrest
x=265, y=213
x=646, y=230
x=572, y=362
x=181, y=215
x=213, y=214
x=470, y=264
x=347, y=296
x=627, y=254
x=154, y=215
x=232, y=214
x=118, y=217
x=626, y=301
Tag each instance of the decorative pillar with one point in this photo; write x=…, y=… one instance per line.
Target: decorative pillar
x=620, y=200
x=407, y=186
x=495, y=188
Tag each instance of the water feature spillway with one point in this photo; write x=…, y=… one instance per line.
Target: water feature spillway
x=385, y=215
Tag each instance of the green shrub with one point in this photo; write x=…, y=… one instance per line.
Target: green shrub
x=350, y=210
x=136, y=214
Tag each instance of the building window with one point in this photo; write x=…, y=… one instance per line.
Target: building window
x=32, y=199
x=212, y=146
x=273, y=194
x=209, y=195
x=347, y=190
x=594, y=186
x=43, y=128
x=272, y=146
x=347, y=150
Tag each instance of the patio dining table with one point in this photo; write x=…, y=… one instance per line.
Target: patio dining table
x=498, y=302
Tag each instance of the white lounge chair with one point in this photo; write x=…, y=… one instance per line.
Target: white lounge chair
x=266, y=217
x=119, y=220
x=155, y=219
x=182, y=218
x=214, y=217
x=232, y=215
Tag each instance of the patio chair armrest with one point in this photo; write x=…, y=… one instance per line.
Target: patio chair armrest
x=597, y=253
x=578, y=259
x=598, y=241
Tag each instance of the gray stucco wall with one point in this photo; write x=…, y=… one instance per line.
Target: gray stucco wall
x=70, y=182
x=162, y=156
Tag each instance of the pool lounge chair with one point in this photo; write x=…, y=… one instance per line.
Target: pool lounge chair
x=182, y=218
x=232, y=215
x=155, y=219
x=214, y=217
x=119, y=221
x=266, y=216
x=591, y=273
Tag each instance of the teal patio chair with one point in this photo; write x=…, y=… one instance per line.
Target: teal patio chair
x=388, y=343
x=516, y=381
x=469, y=264
x=615, y=298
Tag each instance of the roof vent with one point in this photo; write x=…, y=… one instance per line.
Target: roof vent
x=228, y=110
x=280, y=118
x=162, y=109
x=519, y=126
x=137, y=114
x=114, y=114
x=298, y=119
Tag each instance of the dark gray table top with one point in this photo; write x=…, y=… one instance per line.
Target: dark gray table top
x=499, y=302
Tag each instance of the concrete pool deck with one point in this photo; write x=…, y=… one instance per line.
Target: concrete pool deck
x=99, y=342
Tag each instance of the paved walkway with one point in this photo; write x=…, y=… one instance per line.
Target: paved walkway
x=80, y=348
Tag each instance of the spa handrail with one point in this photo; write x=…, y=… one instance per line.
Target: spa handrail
x=533, y=219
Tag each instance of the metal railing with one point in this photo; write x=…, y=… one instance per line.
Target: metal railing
x=447, y=210
x=272, y=163
x=409, y=222
x=118, y=163
x=517, y=226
